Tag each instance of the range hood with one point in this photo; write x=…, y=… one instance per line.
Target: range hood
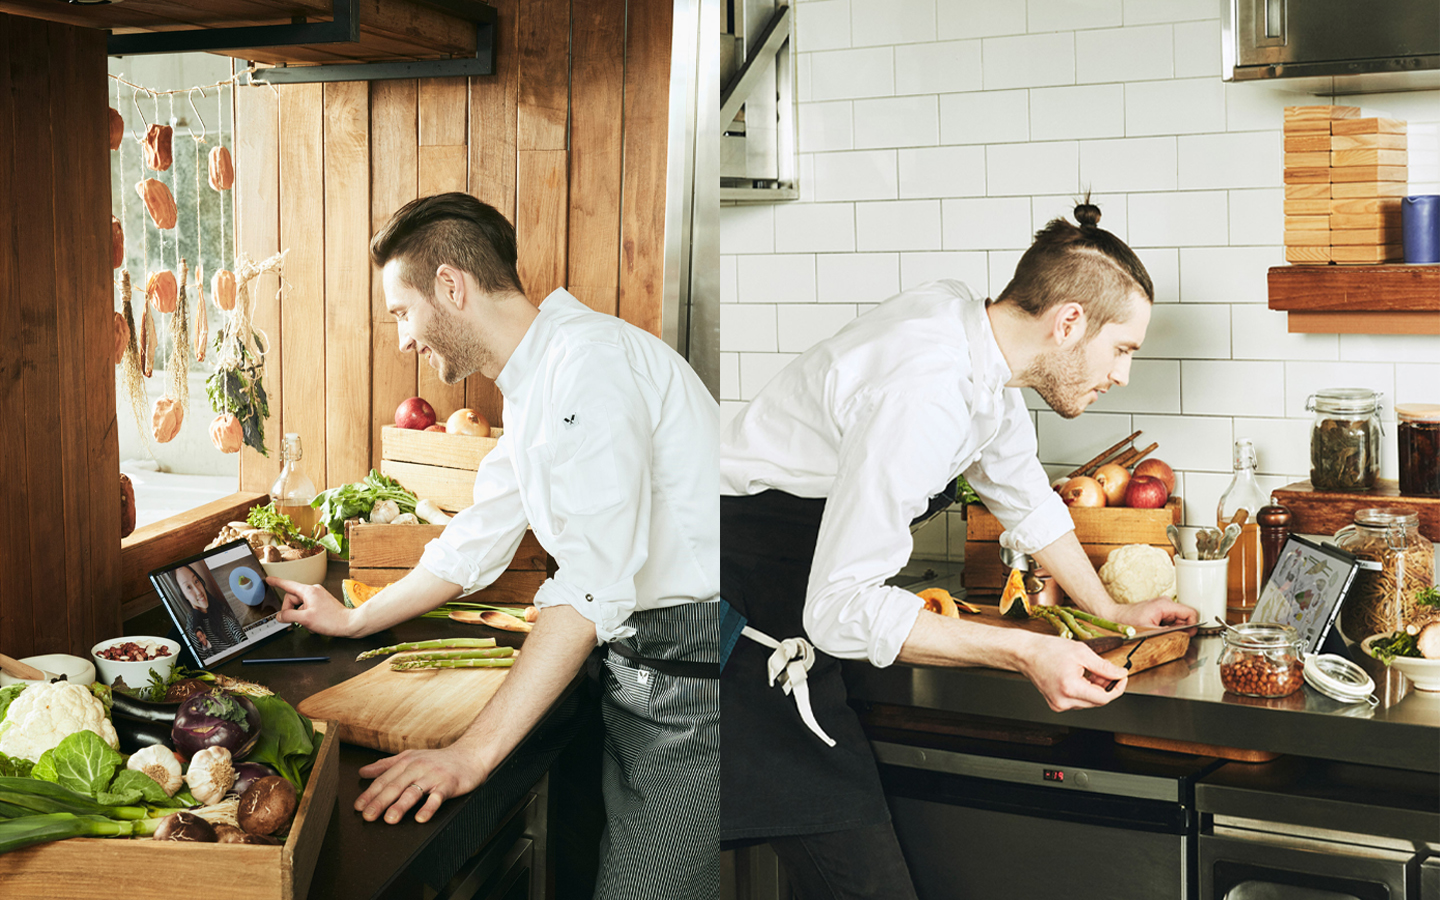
x=1333, y=46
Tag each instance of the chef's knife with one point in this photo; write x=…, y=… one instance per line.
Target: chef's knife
x=1106, y=643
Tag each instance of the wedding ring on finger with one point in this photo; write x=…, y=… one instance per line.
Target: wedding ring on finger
x=418, y=788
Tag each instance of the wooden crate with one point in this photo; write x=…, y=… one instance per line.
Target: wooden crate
x=1326, y=512
x=98, y=868
x=435, y=466
x=382, y=554
x=1099, y=532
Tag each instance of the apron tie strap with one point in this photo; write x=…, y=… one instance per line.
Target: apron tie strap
x=790, y=663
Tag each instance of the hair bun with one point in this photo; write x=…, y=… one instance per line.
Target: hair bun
x=1087, y=214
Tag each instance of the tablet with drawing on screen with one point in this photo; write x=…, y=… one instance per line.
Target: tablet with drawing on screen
x=220, y=602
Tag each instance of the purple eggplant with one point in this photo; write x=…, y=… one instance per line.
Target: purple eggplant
x=247, y=773
x=216, y=719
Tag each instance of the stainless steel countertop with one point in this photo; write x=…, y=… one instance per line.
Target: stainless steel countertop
x=1184, y=700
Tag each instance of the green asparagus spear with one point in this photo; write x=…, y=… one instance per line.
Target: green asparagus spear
x=1127, y=630
x=1073, y=624
x=482, y=653
x=1045, y=613
x=437, y=644
x=401, y=665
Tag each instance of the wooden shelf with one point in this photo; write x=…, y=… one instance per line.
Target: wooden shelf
x=1391, y=299
x=1326, y=512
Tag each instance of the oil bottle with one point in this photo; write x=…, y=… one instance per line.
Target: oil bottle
x=293, y=490
x=1245, y=561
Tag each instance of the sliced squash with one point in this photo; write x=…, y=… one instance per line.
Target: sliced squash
x=1014, y=602
x=357, y=592
x=938, y=600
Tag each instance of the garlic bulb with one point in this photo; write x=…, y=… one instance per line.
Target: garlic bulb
x=160, y=764
x=211, y=775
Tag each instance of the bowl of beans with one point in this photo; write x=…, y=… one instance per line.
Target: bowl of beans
x=132, y=660
x=1262, y=659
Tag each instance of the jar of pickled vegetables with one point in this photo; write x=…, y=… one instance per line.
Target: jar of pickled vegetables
x=1419, y=439
x=1397, y=563
x=1345, y=439
x=1262, y=659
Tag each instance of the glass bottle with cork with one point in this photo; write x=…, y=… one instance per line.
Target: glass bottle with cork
x=293, y=490
x=1245, y=561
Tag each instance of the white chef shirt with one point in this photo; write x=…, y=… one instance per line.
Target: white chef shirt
x=877, y=419
x=609, y=455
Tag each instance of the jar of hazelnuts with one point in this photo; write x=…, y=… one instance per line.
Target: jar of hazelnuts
x=1262, y=659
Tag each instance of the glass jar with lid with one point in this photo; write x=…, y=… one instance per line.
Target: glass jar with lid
x=1397, y=563
x=1262, y=659
x=1345, y=439
x=1419, y=441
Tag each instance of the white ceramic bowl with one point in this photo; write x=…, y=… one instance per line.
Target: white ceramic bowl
x=310, y=570
x=135, y=674
x=75, y=669
x=1423, y=673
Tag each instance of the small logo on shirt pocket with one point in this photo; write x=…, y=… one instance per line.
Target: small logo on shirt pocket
x=569, y=420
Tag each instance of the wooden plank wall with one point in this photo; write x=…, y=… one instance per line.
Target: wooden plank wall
x=60, y=540
x=567, y=139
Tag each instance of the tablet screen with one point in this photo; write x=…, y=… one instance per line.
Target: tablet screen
x=1306, y=588
x=220, y=602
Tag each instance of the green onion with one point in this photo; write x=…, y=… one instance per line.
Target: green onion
x=40, y=829
x=48, y=797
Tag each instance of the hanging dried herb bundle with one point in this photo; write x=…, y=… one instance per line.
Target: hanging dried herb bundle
x=178, y=368
x=134, y=378
x=148, y=341
x=202, y=318
x=238, y=385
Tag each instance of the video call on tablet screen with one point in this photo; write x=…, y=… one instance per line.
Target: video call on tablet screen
x=220, y=602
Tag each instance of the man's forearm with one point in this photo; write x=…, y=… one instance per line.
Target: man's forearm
x=414, y=595
x=552, y=654
x=941, y=641
x=1072, y=570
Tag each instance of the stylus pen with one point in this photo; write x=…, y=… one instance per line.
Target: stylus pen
x=283, y=659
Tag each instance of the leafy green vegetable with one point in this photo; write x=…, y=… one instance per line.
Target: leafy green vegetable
x=221, y=705
x=964, y=493
x=82, y=762
x=1429, y=596
x=267, y=518
x=1398, y=644
x=7, y=696
x=287, y=741
x=154, y=692
x=15, y=766
x=143, y=787
x=39, y=829
x=356, y=499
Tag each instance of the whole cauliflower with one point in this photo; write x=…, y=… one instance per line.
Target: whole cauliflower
x=1138, y=572
x=45, y=714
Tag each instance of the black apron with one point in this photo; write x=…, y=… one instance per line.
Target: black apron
x=777, y=777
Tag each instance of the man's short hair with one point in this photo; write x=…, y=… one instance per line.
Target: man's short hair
x=453, y=228
x=1082, y=263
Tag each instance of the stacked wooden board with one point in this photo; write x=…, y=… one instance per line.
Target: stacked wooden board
x=1344, y=178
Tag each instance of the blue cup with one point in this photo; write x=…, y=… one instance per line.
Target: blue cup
x=1420, y=226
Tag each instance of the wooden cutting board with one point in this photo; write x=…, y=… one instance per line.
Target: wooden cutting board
x=393, y=711
x=1156, y=651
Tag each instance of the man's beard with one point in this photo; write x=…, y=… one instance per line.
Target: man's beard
x=460, y=352
x=1059, y=379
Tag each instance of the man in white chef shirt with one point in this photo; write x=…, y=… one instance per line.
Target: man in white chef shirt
x=825, y=471
x=609, y=456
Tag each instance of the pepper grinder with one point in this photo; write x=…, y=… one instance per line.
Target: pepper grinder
x=1274, y=522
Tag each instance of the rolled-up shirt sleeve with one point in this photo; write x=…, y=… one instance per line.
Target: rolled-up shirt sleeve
x=1009, y=478
x=599, y=500
x=479, y=542
x=897, y=450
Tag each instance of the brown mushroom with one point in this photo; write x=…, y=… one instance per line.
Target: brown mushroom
x=268, y=806
x=185, y=826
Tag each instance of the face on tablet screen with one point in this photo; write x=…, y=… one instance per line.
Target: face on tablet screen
x=219, y=601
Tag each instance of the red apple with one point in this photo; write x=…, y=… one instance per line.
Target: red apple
x=439, y=428
x=1082, y=491
x=1113, y=481
x=1146, y=492
x=1157, y=469
x=414, y=413
x=467, y=421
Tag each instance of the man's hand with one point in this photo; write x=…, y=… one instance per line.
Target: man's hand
x=1069, y=675
x=401, y=781
x=1157, y=613
x=314, y=607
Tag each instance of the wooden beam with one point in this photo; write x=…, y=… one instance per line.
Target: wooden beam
x=647, y=116
x=347, y=282
x=596, y=117
x=540, y=227
x=1382, y=288
x=393, y=183
x=1303, y=322
x=544, y=101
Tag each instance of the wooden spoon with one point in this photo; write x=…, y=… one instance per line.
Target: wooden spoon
x=492, y=617
x=18, y=669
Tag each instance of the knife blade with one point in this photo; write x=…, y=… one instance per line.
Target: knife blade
x=1106, y=643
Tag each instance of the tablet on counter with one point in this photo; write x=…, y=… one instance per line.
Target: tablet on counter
x=219, y=602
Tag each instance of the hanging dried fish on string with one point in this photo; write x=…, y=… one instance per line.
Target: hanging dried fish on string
x=238, y=386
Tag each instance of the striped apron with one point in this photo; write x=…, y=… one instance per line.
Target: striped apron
x=661, y=774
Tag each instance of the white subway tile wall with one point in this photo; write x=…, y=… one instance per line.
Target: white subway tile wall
x=937, y=135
